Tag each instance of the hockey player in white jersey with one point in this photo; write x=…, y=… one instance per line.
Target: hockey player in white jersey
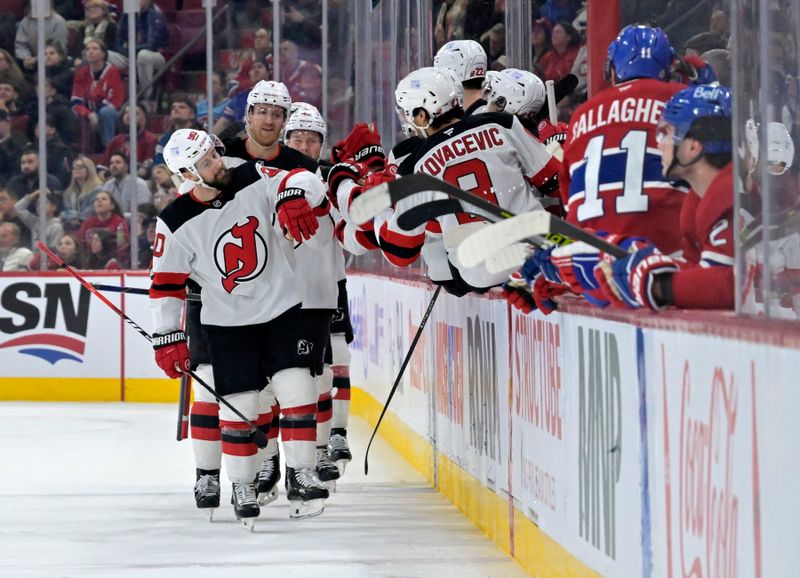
x=221, y=234
x=490, y=154
x=466, y=59
x=306, y=131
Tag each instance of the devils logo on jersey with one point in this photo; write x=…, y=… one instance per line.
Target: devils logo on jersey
x=240, y=254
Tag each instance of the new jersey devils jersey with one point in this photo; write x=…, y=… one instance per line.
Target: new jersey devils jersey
x=611, y=179
x=229, y=247
x=490, y=154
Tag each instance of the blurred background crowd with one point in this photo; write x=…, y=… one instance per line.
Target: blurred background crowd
x=344, y=56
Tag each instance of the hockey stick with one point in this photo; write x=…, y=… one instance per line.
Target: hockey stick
x=184, y=396
x=136, y=291
x=400, y=373
x=259, y=437
x=552, y=111
x=482, y=244
x=562, y=89
x=542, y=222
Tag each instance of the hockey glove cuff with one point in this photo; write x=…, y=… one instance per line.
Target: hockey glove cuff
x=295, y=215
x=172, y=353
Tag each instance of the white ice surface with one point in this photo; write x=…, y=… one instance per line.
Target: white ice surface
x=105, y=490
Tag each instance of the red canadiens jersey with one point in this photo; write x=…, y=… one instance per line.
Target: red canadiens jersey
x=611, y=178
x=708, y=283
x=229, y=246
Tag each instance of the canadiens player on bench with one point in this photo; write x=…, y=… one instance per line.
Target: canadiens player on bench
x=221, y=234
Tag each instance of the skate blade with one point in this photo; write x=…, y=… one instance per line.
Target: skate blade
x=331, y=485
x=303, y=510
x=341, y=465
x=267, y=497
x=209, y=512
x=249, y=523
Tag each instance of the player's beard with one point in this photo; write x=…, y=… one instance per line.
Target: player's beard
x=221, y=179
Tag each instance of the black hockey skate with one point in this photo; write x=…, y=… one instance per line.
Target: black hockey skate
x=326, y=470
x=207, y=491
x=268, y=479
x=339, y=450
x=245, y=504
x=305, y=492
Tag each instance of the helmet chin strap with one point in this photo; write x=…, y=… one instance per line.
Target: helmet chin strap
x=677, y=163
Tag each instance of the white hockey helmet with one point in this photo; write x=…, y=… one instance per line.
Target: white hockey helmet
x=304, y=116
x=466, y=58
x=186, y=146
x=516, y=91
x=427, y=88
x=270, y=92
x=780, y=146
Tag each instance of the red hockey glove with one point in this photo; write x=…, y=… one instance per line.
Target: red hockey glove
x=337, y=152
x=518, y=293
x=363, y=145
x=295, y=215
x=543, y=293
x=172, y=353
x=552, y=133
x=385, y=175
x=341, y=172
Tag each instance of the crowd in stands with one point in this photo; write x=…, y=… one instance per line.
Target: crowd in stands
x=89, y=189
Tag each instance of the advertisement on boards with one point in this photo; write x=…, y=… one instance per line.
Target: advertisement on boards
x=578, y=464
x=706, y=482
x=50, y=324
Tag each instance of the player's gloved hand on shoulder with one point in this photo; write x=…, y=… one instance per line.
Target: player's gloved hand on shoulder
x=295, y=215
x=363, y=145
x=172, y=353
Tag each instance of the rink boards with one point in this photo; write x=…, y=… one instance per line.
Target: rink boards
x=648, y=445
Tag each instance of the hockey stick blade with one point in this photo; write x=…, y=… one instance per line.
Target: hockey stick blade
x=508, y=258
x=371, y=203
x=484, y=243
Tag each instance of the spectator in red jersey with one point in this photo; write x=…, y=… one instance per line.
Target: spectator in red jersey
x=302, y=78
x=97, y=91
x=262, y=47
x=107, y=215
x=557, y=63
x=146, y=141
